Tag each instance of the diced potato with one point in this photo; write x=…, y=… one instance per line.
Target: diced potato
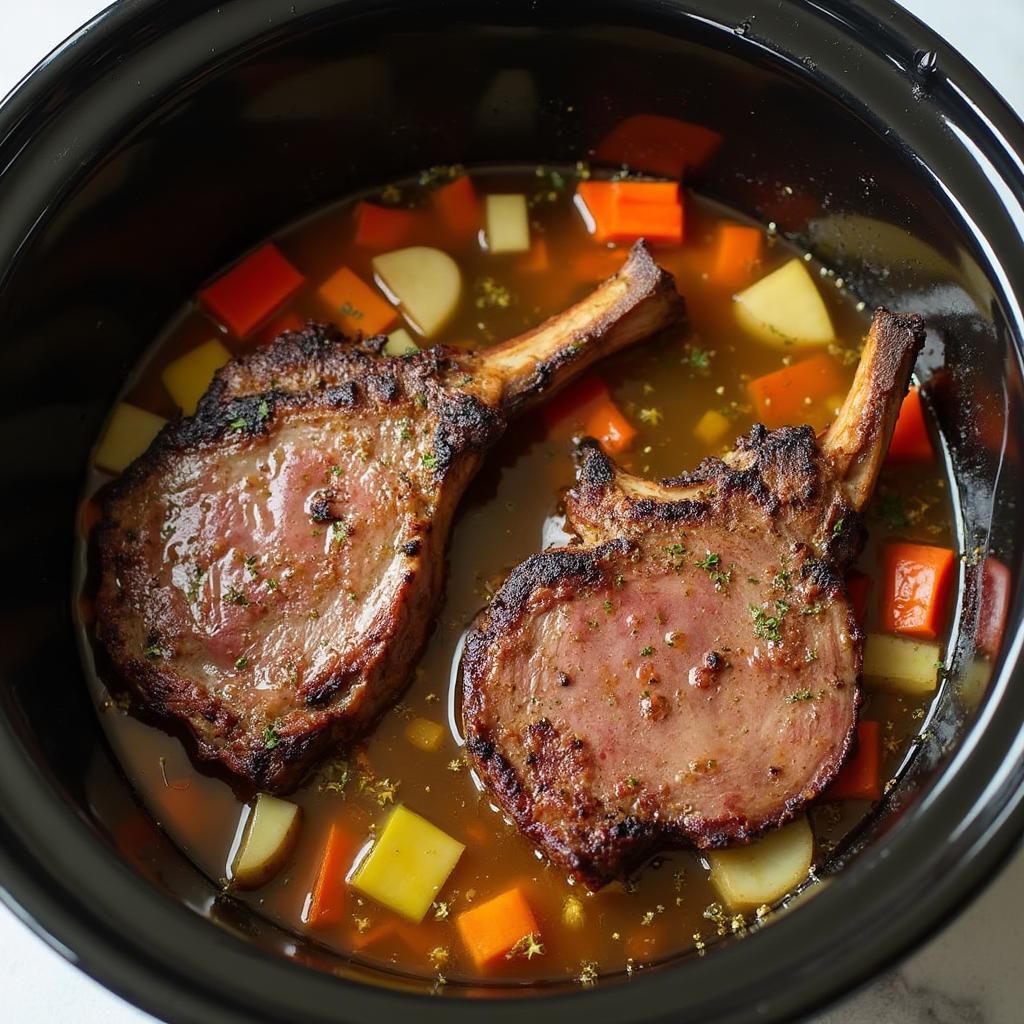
x=129, y=433
x=425, y=282
x=900, y=665
x=785, y=308
x=188, y=377
x=974, y=679
x=400, y=343
x=408, y=864
x=712, y=427
x=269, y=838
x=748, y=876
x=425, y=734
x=508, y=224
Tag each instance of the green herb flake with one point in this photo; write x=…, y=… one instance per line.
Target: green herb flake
x=263, y=411
x=347, y=309
x=430, y=460
x=270, y=737
x=800, y=695
x=242, y=662
x=646, y=652
x=837, y=527
x=238, y=423
x=892, y=511
x=766, y=627
x=234, y=596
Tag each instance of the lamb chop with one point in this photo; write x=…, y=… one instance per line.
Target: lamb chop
x=269, y=570
x=686, y=675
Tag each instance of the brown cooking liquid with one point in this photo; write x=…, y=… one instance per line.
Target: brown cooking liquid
x=663, y=387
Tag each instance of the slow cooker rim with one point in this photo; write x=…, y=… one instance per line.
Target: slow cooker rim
x=66, y=920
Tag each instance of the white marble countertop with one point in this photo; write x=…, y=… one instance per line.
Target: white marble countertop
x=969, y=974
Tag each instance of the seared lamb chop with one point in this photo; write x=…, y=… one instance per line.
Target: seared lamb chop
x=270, y=568
x=688, y=675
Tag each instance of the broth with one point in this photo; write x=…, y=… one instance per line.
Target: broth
x=663, y=387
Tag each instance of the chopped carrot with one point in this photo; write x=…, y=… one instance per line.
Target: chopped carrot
x=576, y=401
x=858, y=586
x=611, y=428
x=327, y=900
x=786, y=396
x=248, y=293
x=356, y=306
x=623, y=211
x=861, y=777
x=910, y=441
x=658, y=145
x=458, y=208
x=993, y=606
x=918, y=578
x=737, y=250
x=536, y=260
x=493, y=928
x=384, y=227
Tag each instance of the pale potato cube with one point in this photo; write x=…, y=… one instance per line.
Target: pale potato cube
x=901, y=666
x=400, y=343
x=973, y=682
x=785, y=308
x=712, y=427
x=764, y=871
x=269, y=838
x=425, y=282
x=425, y=734
x=129, y=433
x=508, y=224
x=408, y=864
x=188, y=377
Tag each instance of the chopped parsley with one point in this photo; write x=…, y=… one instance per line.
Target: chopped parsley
x=608, y=606
x=813, y=609
x=782, y=581
x=652, y=417
x=234, y=596
x=238, y=423
x=430, y=460
x=709, y=561
x=698, y=359
x=270, y=737
x=347, y=309
x=646, y=652
x=892, y=511
x=768, y=627
x=263, y=411
x=155, y=650
x=837, y=527
x=242, y=662
x=800, y=695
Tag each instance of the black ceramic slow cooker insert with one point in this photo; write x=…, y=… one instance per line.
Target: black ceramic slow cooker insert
x=170, y=135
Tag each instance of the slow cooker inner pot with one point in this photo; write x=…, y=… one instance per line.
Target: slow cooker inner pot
x=301, y=120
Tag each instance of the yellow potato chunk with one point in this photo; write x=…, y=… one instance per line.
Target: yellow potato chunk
x=425, y=734
x=188, y=377
x=508, y=224
x=711, y=428
x=424, y=281
x=129, y=433
x=899, y=665
x=408, y=864
x=400, y=343
x=767, y=869
x=269, y=838
x=785, y=308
